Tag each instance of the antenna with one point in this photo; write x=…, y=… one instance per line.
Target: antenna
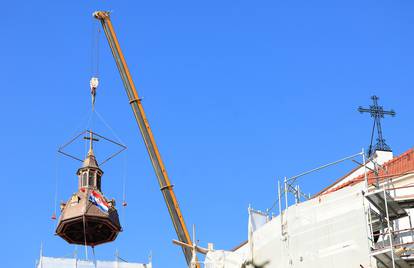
x=377, y=112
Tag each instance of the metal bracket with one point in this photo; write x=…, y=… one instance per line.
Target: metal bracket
x=169, y=187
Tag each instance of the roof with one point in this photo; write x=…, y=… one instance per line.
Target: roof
x=397, y=166
x=90, y=160
x=327, y=188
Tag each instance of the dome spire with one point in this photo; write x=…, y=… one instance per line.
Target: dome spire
x=90, y=160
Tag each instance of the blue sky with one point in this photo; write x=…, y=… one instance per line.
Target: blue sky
x=239, y=94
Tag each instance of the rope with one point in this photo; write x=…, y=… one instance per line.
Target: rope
x=84, y=236
x=56, y=185
x=87, y=117
x=123, y=188
x=124, y=176
x=85, y=149
x=109, y=127
x=94, y=257
x=84, y=121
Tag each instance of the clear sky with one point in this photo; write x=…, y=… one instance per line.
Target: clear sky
x=239, y=94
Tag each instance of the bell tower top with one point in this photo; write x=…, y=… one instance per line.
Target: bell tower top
x=90, y=174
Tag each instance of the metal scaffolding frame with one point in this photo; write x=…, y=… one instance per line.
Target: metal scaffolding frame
x=290, y=187
x=383, y=210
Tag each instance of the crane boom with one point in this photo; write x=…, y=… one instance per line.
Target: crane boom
x=165, y=185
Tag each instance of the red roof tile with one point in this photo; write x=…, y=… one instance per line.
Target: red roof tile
x=397, y=166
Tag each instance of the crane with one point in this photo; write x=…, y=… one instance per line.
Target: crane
x=164, y=182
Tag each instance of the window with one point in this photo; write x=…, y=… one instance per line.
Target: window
x=84, y=179
x=91, y=178
x=98, y=182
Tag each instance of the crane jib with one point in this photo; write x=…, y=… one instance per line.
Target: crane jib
x=164, y=183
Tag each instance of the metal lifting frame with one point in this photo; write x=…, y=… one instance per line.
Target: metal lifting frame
x=138, y=110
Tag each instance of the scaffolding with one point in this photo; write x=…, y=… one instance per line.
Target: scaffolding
x=75, y=262
x=390, y=246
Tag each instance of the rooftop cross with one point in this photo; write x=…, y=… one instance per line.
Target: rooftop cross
x=377, y=112
x=91, y=140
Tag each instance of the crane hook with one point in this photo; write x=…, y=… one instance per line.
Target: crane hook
x=94, y=85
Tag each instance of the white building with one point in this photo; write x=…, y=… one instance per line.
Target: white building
x=346, y=225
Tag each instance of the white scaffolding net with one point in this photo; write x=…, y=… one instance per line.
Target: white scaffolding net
x=48, y=262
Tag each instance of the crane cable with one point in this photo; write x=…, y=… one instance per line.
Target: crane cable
x=89, y=124
x=125, y=160
x=124, y=176
x=84, y=237
x=56, y=187
x=96, y=31
x=94, y=257
x=87, y=118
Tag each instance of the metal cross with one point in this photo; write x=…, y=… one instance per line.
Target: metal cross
x=91, y=138
x=377, y=112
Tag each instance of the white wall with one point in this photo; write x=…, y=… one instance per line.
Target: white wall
x=330, y=231
x=48, y=262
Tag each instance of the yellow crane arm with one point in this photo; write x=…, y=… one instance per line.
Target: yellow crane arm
x=136, y=105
